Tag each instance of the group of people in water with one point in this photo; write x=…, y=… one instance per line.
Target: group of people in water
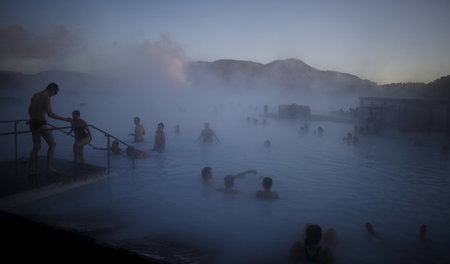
x=309, y=249
x=228, y=180
x=40, y=107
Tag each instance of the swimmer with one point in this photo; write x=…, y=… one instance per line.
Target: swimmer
x=229, y=181
x=139, y=131
x=115, y=149
x=160, y=138
x=207, y=134
x=207, y=174
x=319, y=131
x=136, y=153
x=267, y=143
x=309, y=250
x=371, y=230
x=267, y=193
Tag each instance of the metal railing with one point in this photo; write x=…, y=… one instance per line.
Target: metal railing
x=61, y=129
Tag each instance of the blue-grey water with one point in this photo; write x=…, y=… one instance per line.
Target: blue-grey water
x=384, y=179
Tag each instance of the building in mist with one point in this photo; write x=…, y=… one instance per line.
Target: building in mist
x=294, y=111
x=375, y=113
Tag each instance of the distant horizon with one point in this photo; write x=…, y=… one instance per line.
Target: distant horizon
x=223, y=59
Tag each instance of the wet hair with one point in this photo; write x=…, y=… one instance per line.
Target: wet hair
x=205, y=172
x=313, y=234
x=161, y=124
x=52, y=86
x=76, y=112
x=267, y=183
x=229, y=181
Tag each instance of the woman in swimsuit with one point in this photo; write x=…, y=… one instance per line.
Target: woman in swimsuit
x=82, y=136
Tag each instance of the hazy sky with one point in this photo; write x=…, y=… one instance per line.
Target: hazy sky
x=383, y=41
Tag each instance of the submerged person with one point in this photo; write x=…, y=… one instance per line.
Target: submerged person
x=371, y=230
x=136, y=153
x=229, y=181
x=115, y=149
x=82, y=136
x=39, y=108
x=309, y=250
x=207, y=134
x=139, y=131
x=207, y=174
x=267, y=192
x=160, y=138
x=319, y=130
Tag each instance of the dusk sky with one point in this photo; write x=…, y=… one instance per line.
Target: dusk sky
x=384, y=41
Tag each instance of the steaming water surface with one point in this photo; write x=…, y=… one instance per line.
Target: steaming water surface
x=323, y=180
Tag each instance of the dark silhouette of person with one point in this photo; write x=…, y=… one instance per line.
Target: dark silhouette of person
x=82, y=136
x=207, y=134
x=139, y=131
x=310, y=250
x=160, y=138
x=228, y=181
x=267, y=192
x=40, y=107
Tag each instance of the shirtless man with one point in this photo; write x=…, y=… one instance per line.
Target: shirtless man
x=40, y=106
x=139, y=131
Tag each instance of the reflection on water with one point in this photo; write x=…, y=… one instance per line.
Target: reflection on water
x=384, y=179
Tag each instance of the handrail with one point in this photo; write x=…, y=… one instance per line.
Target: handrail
x=15, y=133
x=106, y=133
x=11, y=121
x=109, y=136
x=28, y=131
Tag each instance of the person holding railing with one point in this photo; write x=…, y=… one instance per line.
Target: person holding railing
x=39, y=108
x=82, y=136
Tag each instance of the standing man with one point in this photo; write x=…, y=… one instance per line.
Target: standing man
x=40, y=106
x=139, y=131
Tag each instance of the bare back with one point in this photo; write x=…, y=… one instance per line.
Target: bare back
x=39, y=106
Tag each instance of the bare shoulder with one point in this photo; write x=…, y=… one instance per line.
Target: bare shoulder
x=297, y=251
x=326, y=256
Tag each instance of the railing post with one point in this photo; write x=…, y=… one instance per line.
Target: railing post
x=16, y=163
x=109, y=153
x=132, y=161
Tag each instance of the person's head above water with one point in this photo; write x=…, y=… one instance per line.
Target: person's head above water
x=137, y=120
x=161, y=125
x=267, y=183
x=206, y=174
x=313, y=234
x=228, y=181
x=52, y=89
x=76, y=114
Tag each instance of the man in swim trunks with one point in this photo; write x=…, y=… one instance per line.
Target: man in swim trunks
x=40, y=106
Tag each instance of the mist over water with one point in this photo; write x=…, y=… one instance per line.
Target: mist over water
x=323, y=180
